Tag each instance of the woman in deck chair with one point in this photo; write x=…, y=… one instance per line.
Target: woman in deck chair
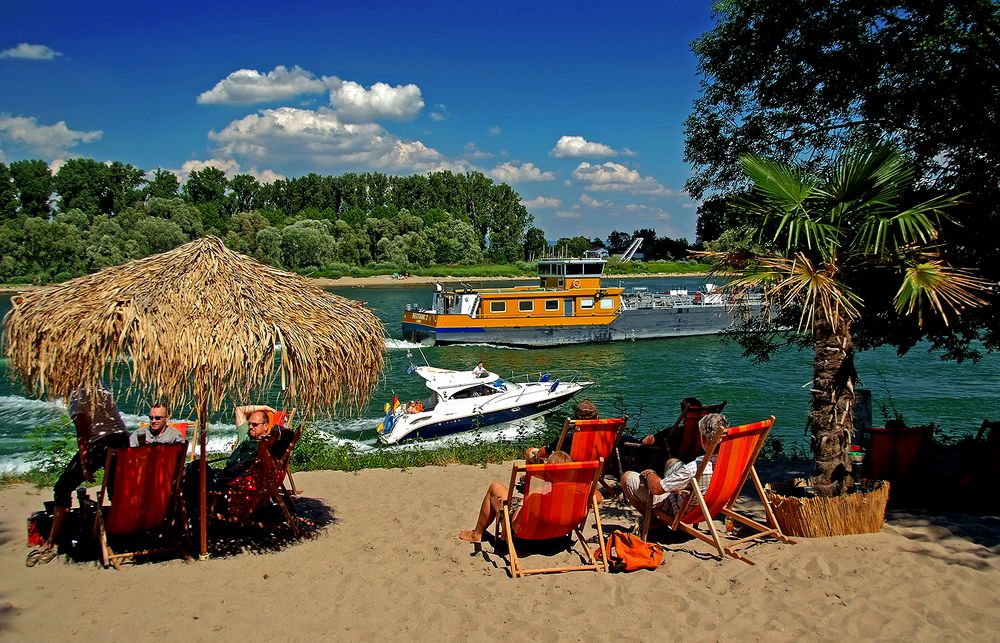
x=493, y=501
x=676, y=474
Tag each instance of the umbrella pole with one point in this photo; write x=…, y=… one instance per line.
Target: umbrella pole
x=202, y=491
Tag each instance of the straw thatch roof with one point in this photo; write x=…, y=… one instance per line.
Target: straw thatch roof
x=199, y=322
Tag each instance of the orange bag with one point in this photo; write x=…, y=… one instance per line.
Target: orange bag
x=628, y=552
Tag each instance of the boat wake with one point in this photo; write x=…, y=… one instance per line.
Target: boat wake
x=497, y=346
x=401, y=344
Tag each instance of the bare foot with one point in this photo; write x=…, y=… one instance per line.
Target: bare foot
x=470, y=536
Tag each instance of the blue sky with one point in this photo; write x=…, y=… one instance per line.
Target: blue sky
x=579, y=106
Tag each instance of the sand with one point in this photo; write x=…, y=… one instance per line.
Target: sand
x=389, y=566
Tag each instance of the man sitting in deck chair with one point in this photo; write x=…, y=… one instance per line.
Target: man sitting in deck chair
x=159, y=430
x=676, y=474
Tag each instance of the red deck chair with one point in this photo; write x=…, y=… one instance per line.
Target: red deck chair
x=592, y=440
x=689, y=446
x=737, y=450
x=284, y=420
x=260, y=484
x=147, y=482
x=558, y=499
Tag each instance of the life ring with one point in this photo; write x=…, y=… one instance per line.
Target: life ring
x=576, y=283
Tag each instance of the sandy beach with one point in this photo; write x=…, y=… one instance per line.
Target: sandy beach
x=389, y=280
x=388, y=566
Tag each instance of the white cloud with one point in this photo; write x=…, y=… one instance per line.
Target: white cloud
x=320, y=139
x=355, y=104
x=245, y=86
x=542, y=202
x=30, y=52
x=494, y=130
x=265, y=176
x=48, y=141
x=473, y=152
x=615, y=177
x=591, y=202
x=229, y=166
x=579, y=147
x=567, y=214
x=440, y=113
x=523, y=173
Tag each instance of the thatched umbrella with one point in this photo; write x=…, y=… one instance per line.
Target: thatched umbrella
x=198, y=323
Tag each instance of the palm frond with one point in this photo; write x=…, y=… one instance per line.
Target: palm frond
x=942, y=287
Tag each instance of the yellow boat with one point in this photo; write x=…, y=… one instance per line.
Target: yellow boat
x=569, y=305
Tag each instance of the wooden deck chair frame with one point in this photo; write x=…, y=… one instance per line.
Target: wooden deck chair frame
x=584, y=425
x=167, y=529
x=695, y=509
x=517, y=569
x=289, y=416
x=271, y=487
x=680, y=424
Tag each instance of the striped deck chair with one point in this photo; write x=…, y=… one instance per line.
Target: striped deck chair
x=147, y=483
x=688, y=447
x=557, y=502
x=261, y=484
x=736, y=448
x=592, y=440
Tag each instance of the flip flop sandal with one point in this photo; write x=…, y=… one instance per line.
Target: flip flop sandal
x=43, y=556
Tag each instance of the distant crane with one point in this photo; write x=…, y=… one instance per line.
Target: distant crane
x=631, y=250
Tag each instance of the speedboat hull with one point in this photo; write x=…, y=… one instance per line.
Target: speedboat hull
x=466, y=403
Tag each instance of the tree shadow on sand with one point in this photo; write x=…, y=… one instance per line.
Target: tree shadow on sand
x=957, y=539
x=226, y=539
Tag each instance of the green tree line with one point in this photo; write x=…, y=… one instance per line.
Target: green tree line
x=89, y=215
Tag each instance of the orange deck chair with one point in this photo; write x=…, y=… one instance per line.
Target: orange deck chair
x=592, y=440
x=558, y=499
x=689, y=446
x=262, y=483
x=147, y=482
x=284, y=419
x=737, y=450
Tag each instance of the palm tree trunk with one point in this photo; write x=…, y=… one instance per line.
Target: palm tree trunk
x=831, y=414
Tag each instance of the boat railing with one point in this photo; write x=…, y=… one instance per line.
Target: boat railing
x=544, y=376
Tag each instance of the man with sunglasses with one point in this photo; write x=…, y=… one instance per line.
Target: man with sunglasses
x=253, y=423
x=158, y=431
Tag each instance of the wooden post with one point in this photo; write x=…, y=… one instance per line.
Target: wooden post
x=202, y=491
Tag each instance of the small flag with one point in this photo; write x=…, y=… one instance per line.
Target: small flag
x=395, y=403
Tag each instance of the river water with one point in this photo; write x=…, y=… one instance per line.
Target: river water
x=647, y=379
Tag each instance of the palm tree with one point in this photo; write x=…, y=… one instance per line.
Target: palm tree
x=827, y=238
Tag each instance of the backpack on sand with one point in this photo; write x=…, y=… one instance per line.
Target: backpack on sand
x=628, y=552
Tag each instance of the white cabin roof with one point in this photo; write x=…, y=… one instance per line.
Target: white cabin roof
x=444, y=380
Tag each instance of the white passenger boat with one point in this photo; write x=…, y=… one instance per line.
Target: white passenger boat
x=463, y=401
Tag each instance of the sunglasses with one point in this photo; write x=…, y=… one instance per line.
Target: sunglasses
x=257, y=423
x=157, y=417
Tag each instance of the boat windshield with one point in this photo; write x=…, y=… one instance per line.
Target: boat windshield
x=480, y=390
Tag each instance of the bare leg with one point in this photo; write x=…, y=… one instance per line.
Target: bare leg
x=487, y=513
x=58, y=517
x=630, y=483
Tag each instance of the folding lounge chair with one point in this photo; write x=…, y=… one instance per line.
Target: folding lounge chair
x=592, y=440
x=260, y=484
x=737, y=450
x=684, y=441
x=284, y=420
x=147, y=483
x=558, y=499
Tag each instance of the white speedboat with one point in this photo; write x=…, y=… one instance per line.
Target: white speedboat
x=462, y=401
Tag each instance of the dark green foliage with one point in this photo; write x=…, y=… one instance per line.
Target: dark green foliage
x=8, y=194
x=923, y=75
x=33, y=182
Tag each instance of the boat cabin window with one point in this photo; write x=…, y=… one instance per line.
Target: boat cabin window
x=498, y=306
x=586, y=302
x=574, y=269
x=607, y=303
x=480, y=390
x=551, y=304
x=594, y=269
x=526, y=306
